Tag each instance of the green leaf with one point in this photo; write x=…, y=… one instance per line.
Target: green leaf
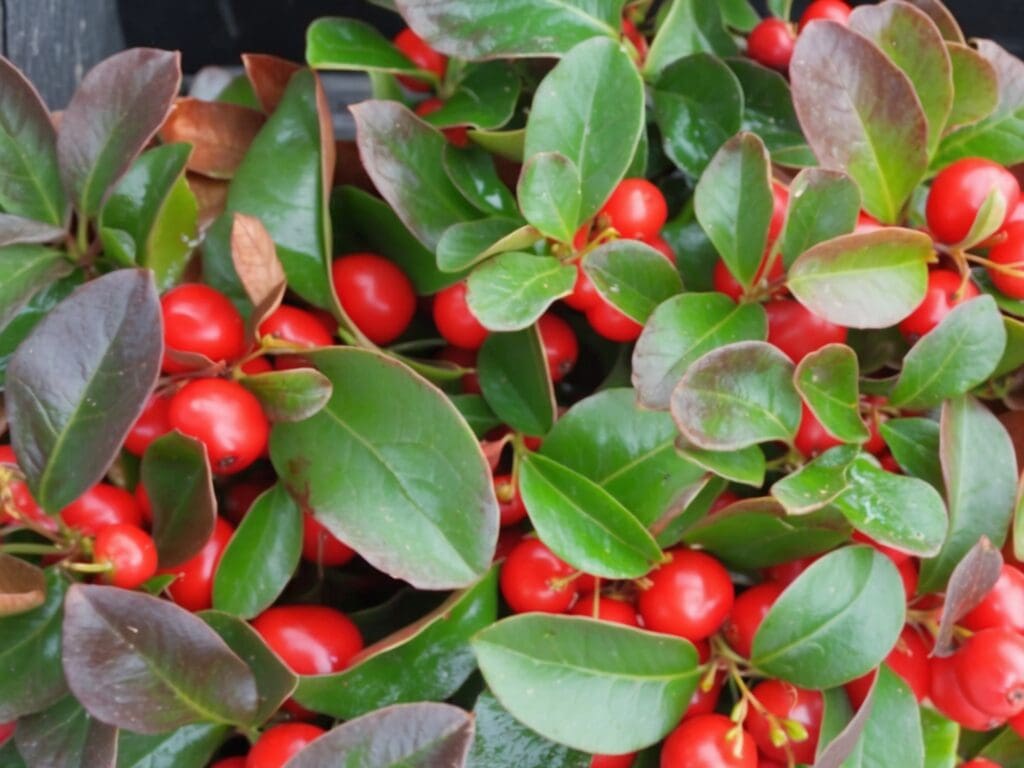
x=473, y=172
x=503, y=742
x=78, y=382
x=913, y=43
x=901, y=512
x=680, y=331
x=739, y=14
x=514, y=377
x=584, y=524
x=336, y=43
x=822, y=205
x=426, y=661
x=512, y=290
x=860, y=115
x=550, y=196
x=469, y=242
x=1013, y=355
x=690, y=26
x=768, y=112
x=151, y=217
x=827, y=381
x=632, y=276
x=865, y=280
x=30, y=654
x=511, y=28
x=570, y=113
x=24, y=271
x=781, y=9
x=745, y=466
x=959, y=354
x=435, y=493
x=975, y=85
x=476, y=412
x=942, y=17
x=698, y=104
x=980, y=470
x=940, y=739
x=737, y=395
x=836, y=622
x=485, y=97
x=261, y=557
x=733, y=203
x=626, y=450
x=31, y=184
x=176, y=474
x=893, y=710
x=508, y=144
x=116, y=110
x=65, y=734
x=914, y=443
x=191, y=746
x=146, y=665
x=818, y=483
x=291, y=395
x=534, y=663
x=1006, y=748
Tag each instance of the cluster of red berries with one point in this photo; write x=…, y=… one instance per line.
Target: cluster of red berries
x=426, y=59
x=772, y=41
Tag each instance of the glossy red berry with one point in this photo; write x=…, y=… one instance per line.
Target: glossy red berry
x=310, y=639
x=192, y=588
x=423, y=56
x=151, y=424
x=980, y=762
x=946, y=290
x=256, y=366
x=811, y=437
x=533, y=578
x=748, y=611
x=948, y=697
x=226, y=418
x=200, y=320
x=455, y=321
x=960, y=190
x=321, y=546
x=910, y=576
x=866, y=223
x=689, y=596
x=609, y=322
x=129, y=550
x=897, y=557
x=908, y=659
x=990, y=669
x=703, y=742
x=375, y=294
x=238, y=498
x=780, y=202
x=1003, y=606
x=797, y=331
x=1017, y=723
x=606, y=609
x=786, y=702
x=277, y=745
x=100, y=506
x=661, y=245
x=787, y=573
x=6, y=731
x=827, y=10
x=21, y=498
x=230, y=762
x=143, y=502
x=631, y=33
x=771, y=44
x=510, y=502
x=584, y=295
x=613, y=761
x=296, y=327
x=560, y=346
x=1009, y=253
x=457, y=135
x=636, y=209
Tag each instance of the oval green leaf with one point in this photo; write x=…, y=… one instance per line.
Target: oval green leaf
x=550, y=195
x=768, y=112
x=632, y=276
x=485, y=97
x=515, y=381
x=469, y=242
x=472, y=171
x=291, y=395
x=827, y=381
x=24, y=271
x=914, y=443
x=190, y=746
x=745, y=466
x=818, y=483
x=503, y=742
x=689, y=26
x=343, y=44
x=822, y=205
x=975, y=85
x=512, y=290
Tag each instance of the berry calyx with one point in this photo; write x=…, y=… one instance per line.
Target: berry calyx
x=946, y=290
x=309, y=639
x=510, y=502
x=129, y=551
x=959, y=191
x=200, y=320
x=279, y=744
x=690, y=596
x=784, y=702
x=709, y=741
x=419, y=52
x=636, y=209
x=455, y=321
x=748, y=611
x=771, y=43
x=560, y=346
x=533, y=578
x=990, y=670
x=375, y=294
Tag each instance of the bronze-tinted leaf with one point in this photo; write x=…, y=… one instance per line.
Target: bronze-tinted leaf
x=269, y=76
x=22, y=585
x=66, y=735
x=970, y=581
x=212, y=196
x=219, y=133
x=15, y=229
x=942, y=17
x=255, y=258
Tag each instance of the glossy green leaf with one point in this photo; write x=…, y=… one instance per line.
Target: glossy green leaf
x=698, y=104
x=469, y=242
x=733, y=203
x=476, y=412
x=290, y=395
x=426, y=661
x=739, y=14
x=484, y=98
x=625, y=449
x=512, y=290
x=632, y=276
x=780, y=8
x=960, y=353
x=822, y=205
x=176, y=474
x=570, y=113
x=550, y=195
x=261, y=556
x=146, y=665
x=975, y=85
x=860, y=115
x=473, y=172
x=190, y=746
x=840, y=726
x=818, y=483
x=31, y=184
x=893, y=710
x=768, y=112
x=1007, y=748
x=670, y=529
x=680, y=331
x=1013, y=355
x=582, y=523
x=418, y=467
x=508, y=144
x=980, y=472
x=690, y=26
x=24, y=271
x=866, y=280
x=78, y=382
x=503, y=742
x=914, y=443
x=940, y=739
x=942, y=17
x=745, y=466
x=336, y=43
x=533, y=663
x=66, y=735
x=515, y=381
x=737, y=395
x=116, y=110
x=827, y=381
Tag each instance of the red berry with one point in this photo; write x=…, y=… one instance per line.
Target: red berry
x=748, y=611
x=724, y=500
x=277, y=745
x=21, y=496
x=226, y=418
x=510, y=502
x=151, y=424
x=908, y=573
x=458, y=135
x=6, y=731
x=946, y=290
x=723, y=281
x=811, y=437
x=689, y=596
x=631, y=33
x=780, y=202
x=829, y=10
x=423, y=56
x=143, y=502
x=584, y=295
x=786, y=702
x=948, y=697
x=192, y=588
x=771, y=43
x=797, y=331
x=455, y=321
x=980, y=762
x=256, y=366
x=129, y=550
x=606, y=609
x=613, y=761
x=866, y=223
x=636, y=209
x=661, y=245
x=375, y=294
x=533, y=578
x=703, y=742
x=908, y=659
x=897, y=557
x=875, y=444
x=958, y=193
x=1009, y=253
x=321, y=546
x=200, y=320
x=560, y=345
x=990, y=669
x=297, y=327
x=464, y=358
x=1017, y=723
x=1003, y=606
x=787, y=573
x=100, y=506
x=310, y=639
x=230, y=762
x=612, y=324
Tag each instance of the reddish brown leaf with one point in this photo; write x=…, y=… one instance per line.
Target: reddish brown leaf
x=22, y=585
x=260, y=271
x=970, y=581
x=943, y=19
x=269, y=76
x=348, y=168
x=1014, y=423
x=219, y=133
x=212, y=196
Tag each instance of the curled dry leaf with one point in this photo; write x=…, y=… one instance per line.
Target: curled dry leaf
x=970, y=581
x=269, y=76
x=211, y=195
x=219, y=133
x=22, y=585
x=255, y=259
